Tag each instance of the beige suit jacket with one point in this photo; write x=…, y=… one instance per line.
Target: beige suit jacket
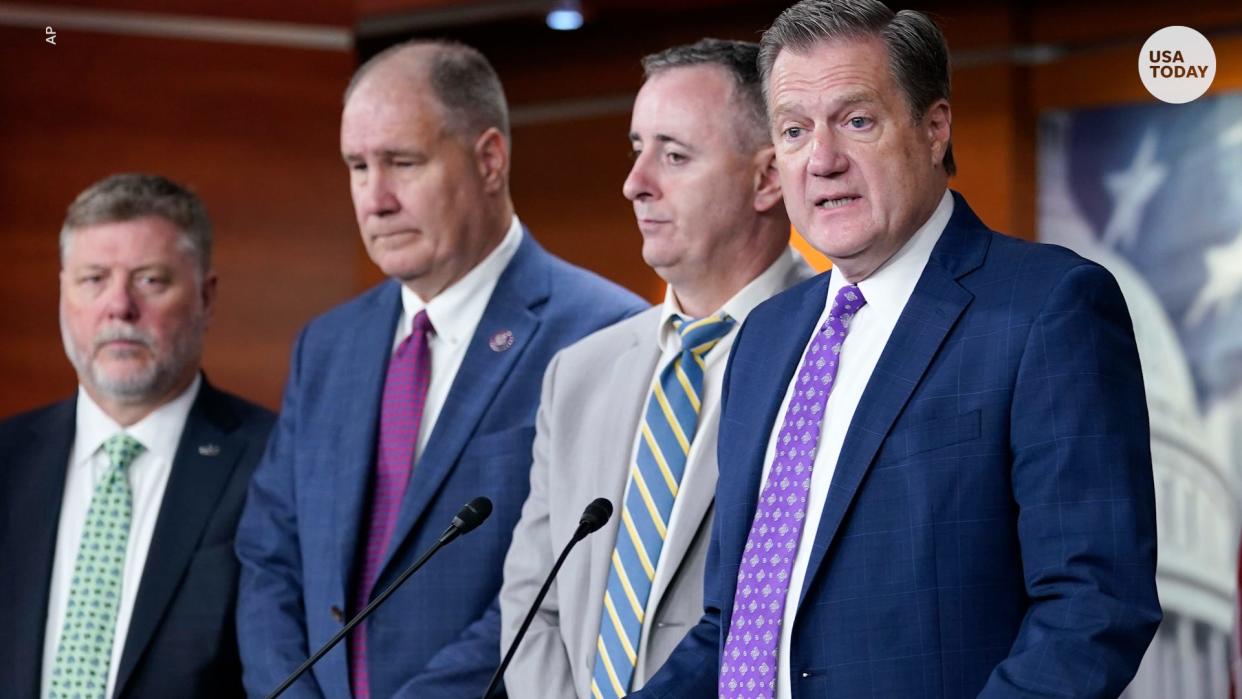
x=593, y=396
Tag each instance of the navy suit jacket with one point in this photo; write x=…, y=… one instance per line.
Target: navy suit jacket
x=181, y=640
x=990, y=527
x=438, y=635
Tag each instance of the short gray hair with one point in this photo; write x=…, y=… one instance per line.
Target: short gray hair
x=131, y=196
x=462, y=81
x=738, y=58
x=917, y=52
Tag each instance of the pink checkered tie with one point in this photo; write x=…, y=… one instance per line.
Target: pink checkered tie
x=748, y=665
x=405, y=392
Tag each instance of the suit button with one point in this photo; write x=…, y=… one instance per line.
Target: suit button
x=806, y=675
x=337, y=614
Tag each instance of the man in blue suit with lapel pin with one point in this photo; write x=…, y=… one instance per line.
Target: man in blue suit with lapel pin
x=935, y=476
x=408, y=401
x=118, y=506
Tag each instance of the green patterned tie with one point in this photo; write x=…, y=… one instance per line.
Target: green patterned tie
x=85, y=650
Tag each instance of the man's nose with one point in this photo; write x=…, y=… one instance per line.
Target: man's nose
x=641, y=182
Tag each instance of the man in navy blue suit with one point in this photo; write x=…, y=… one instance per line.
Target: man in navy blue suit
x=935, y=476
x=117, y=573
x=411, y=399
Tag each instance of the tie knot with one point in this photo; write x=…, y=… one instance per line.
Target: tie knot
x=700, y=335
x=422, y=324
x=849, y=299
x=122, y=449
x=419, y=330
x=846, y=303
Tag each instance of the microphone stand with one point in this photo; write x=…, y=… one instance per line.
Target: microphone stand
x=585, y=526
x=457, y=528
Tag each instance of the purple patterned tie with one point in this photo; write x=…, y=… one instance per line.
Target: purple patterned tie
x=405, y=392
x=748, y=666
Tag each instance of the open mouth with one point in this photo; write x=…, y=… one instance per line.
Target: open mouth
x=835, y=202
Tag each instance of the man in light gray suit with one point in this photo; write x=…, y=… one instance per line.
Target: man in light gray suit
x=630, y=413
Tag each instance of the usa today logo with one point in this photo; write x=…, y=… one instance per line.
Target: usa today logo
x=1177, y=64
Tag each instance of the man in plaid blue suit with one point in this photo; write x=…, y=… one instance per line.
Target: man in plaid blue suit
x=978, y=515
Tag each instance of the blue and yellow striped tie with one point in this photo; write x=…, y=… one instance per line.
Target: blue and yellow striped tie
x=667, y=430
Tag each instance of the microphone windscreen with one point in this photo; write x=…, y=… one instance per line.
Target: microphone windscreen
x=472, y=514
x=596, y=514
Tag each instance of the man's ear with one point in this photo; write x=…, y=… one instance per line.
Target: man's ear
x=491, y=155
x=938, y=122
x=767, y=180
x=209, y=294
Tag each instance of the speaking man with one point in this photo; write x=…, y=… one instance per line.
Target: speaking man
x=935, y=476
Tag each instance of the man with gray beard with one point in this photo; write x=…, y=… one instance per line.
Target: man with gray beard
x=117, y=575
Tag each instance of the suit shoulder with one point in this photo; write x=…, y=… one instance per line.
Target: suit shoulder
x=1039, y=266
x=607, y=340
x=346, y=313
x=780, y=305
x=1006, y=247
x=581, y=287
x=24, y=422
x=250, y=417
x=250, y=412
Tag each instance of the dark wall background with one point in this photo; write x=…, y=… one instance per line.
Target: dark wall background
x=252, y=126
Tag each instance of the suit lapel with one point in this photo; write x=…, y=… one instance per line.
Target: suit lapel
x=34, y=487
x=522, y=286
x=366, y=353
x=933, y=309
x=206, y=457
x=616, y=446
x=627, y=392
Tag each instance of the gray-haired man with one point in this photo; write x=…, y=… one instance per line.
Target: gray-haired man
x=410, y=400
x=120, y=504
x=937, y=481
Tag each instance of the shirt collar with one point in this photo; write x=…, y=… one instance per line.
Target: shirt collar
x=890, y=286
x=159, y=432
x=769, y=282
x=455, y=312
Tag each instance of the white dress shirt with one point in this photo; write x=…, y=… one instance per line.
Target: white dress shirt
x=454, y=314
x=769, y=282
x=887, y=290
x=159, y=433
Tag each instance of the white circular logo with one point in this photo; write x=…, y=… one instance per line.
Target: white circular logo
x=1177, y=64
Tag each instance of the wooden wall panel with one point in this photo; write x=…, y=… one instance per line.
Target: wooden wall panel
x=1096, y=23
x=321, y=12
x=573, y=201
x=255, y=131
x=252, y=129
x=1110, y=76
x=984, y=136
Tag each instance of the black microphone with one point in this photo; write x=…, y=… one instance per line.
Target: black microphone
x=471, y=515
x=594, y=516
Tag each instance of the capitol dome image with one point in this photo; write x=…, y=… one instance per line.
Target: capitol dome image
x=1196, y=491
